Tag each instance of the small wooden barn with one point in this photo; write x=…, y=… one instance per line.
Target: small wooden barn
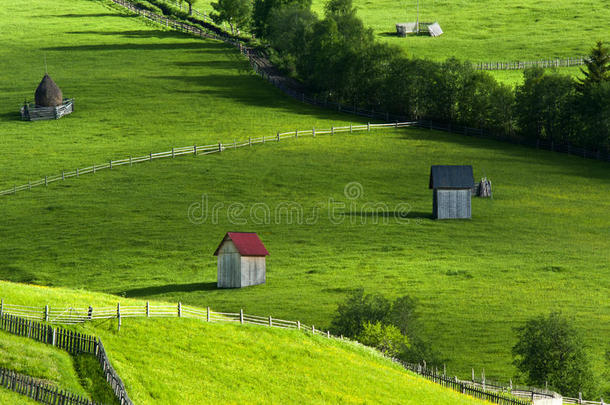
x=452, y=187
x=241, y=260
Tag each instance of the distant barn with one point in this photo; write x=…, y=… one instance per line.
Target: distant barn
x=452, y=187
x=241, y=260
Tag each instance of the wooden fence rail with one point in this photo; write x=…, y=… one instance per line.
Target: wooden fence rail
x=71, y=341
x=39, y=390
x=197, y=150
x=494, y=392
x=545, y=63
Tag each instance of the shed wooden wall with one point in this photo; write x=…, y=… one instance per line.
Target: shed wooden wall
x=229, y=266
x=253, y=270
x=451, y=203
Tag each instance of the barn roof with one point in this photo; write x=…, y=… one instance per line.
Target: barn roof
x=451, y=177
x=247, y=244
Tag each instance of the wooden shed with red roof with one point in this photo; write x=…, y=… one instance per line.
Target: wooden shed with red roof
x=241, y=260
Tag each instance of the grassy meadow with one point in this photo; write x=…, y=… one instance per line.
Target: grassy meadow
x=486, y=30
x=137, y=89
x=178, y=361
x=540, y=245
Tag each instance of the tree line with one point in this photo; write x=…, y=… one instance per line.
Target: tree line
x=337, y=58
x=550, y=350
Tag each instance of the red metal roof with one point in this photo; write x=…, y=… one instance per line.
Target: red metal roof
x=247, y=243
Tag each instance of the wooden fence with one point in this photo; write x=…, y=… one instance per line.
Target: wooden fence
x=39, y=390
x=547, y=63
x=196, y=150
x=61, y=338
x=495, y=391
x=263, y=67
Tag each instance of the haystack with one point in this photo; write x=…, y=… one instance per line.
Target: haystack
x=48, y=94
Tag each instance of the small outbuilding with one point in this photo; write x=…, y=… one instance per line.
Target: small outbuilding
x=452, y=187
x=241, y=260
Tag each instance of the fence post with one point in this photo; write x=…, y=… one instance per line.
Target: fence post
x=54, y=340
x=1, y=307
x=249, y=141
x=313, y=329
x=313, y=131
x=350, y=127
x=332, y=130
x=241, y=316
x=45, y=181
x=368, y=126
x=195, y=150
x=90, y=313
x=219, y=147
x=278, y=136
x=296, y=133
x=150, y=156
x=299, y=325
x=208, y=314
x=130, y=163
x=110, y=164
x=179, y=310
x=328, y=334
x=473, y=375
x=580, y=397
x=147, y=309
x=270, y=321
x=63, y=175
x=46, y=313
x=118, y=315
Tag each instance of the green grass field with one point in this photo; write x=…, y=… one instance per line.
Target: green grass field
x=541, y=244
x=538, y=246
x=178, y=361
x=487, y=30
x=40, y=361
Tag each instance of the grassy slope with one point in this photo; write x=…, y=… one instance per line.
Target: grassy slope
x=487, y=30
x=39, y=360
x=539, y=245
x=9, y=397
x=138, y=89
x=176, y=361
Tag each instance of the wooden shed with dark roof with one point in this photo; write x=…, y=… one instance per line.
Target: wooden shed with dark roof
x=241, y=260
x=452, y=187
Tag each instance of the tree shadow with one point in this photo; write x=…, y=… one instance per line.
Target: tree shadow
x=136, y=33
x=164, y=289
x=11, y=116
x=73, y=15
x=196, y=46
x=389, y=214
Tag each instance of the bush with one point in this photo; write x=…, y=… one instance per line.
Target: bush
x=357, y=310
x=550, y=349
x=386, y=338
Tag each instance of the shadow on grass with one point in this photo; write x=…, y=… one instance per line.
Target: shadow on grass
x=164, y=289
x=207, y=47
x=93, y=15
x=11, y=116
x=389, y=214
x=136, y=34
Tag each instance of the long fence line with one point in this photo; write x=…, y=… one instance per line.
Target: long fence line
x=71, y=341
x=196, y=150
x=545, y=63
x=494, y=391
x=39, y=390
x=263, y=67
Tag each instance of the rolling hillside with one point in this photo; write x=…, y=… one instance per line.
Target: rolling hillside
x=177, y=361
x=540, y=245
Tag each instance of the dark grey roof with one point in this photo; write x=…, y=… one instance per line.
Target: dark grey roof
x=451, y=177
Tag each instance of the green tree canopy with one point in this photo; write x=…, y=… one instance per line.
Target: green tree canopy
x=597, y=67
x=550, y=349
x=234, y=12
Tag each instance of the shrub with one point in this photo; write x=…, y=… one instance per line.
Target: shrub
x=550, y=349
x=386, y=338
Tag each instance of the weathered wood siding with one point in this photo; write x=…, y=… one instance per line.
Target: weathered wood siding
x=229, y=266
x=451, y=204
x=253, y=270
